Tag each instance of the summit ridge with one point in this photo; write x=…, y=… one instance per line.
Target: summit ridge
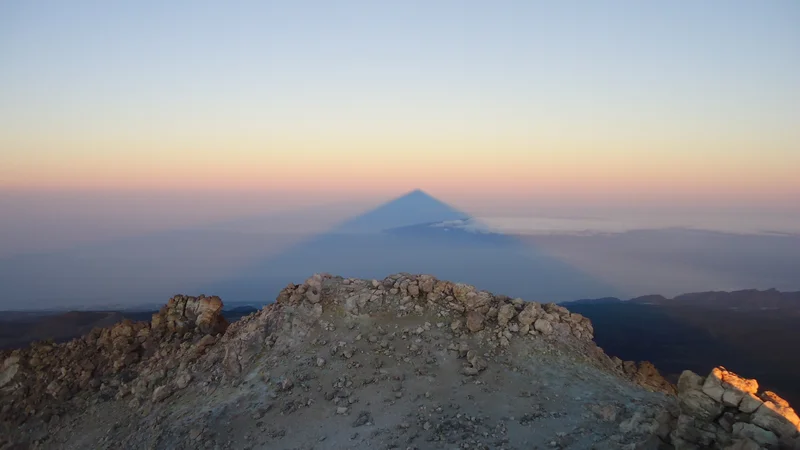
x=408, y=360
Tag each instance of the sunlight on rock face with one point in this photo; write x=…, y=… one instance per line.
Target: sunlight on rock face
x=724, y=408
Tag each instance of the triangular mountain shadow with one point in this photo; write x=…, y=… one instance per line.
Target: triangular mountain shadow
x=413, y=208
x=417, y=233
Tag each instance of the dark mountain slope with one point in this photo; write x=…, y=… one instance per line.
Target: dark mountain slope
x=749, y=331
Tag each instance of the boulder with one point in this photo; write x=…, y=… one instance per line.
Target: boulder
x=505, y=314
x=426, y=283
x=699, y=405
x=543, y=326
x=474, y=321
x=461, y=290
x=314, y=289
x=184, y=313
x=528, y=314
x=690, y=381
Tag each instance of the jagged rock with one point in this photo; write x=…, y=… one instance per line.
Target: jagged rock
x=275, y=355
x=713, y=385
x=777, y=417
x=699, y=405
x=749, y=421
x=727, y=387
x=527, y=316
x=183, y=313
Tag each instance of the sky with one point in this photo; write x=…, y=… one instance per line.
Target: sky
x=175, y=112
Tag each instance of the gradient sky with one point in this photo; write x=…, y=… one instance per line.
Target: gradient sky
x=660, y=102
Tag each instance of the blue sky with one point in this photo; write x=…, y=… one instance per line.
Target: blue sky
x=631, y=95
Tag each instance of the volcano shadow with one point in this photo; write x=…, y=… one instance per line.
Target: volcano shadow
x=417, y=233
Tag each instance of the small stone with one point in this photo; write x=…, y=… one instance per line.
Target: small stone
x=469, y=371
x=364, y=417
x=182, y=380
x=161, y=393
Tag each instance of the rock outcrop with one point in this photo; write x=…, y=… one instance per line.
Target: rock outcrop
x=726, y=411
x=456, y=365
x=38, y=381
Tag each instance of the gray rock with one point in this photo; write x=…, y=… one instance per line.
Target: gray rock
x=699, y=405
x=695, y=431
x=364, y=417
x=543, y=326
x=528, y=315
x=9, y=370
x=732, y=397
x=183, y=380
x=757, y=434
x=690, y=381
x=713, y=387
x=505, y=314
x=743, y=444
x=161, y=393
x=750, y=403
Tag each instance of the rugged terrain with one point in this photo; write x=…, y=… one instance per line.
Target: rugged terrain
x=749, y=331
x=404, y=362
x=21, y=328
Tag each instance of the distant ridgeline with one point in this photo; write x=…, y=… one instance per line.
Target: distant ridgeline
x=748, y=331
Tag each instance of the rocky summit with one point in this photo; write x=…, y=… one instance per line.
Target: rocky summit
x=407, y=362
